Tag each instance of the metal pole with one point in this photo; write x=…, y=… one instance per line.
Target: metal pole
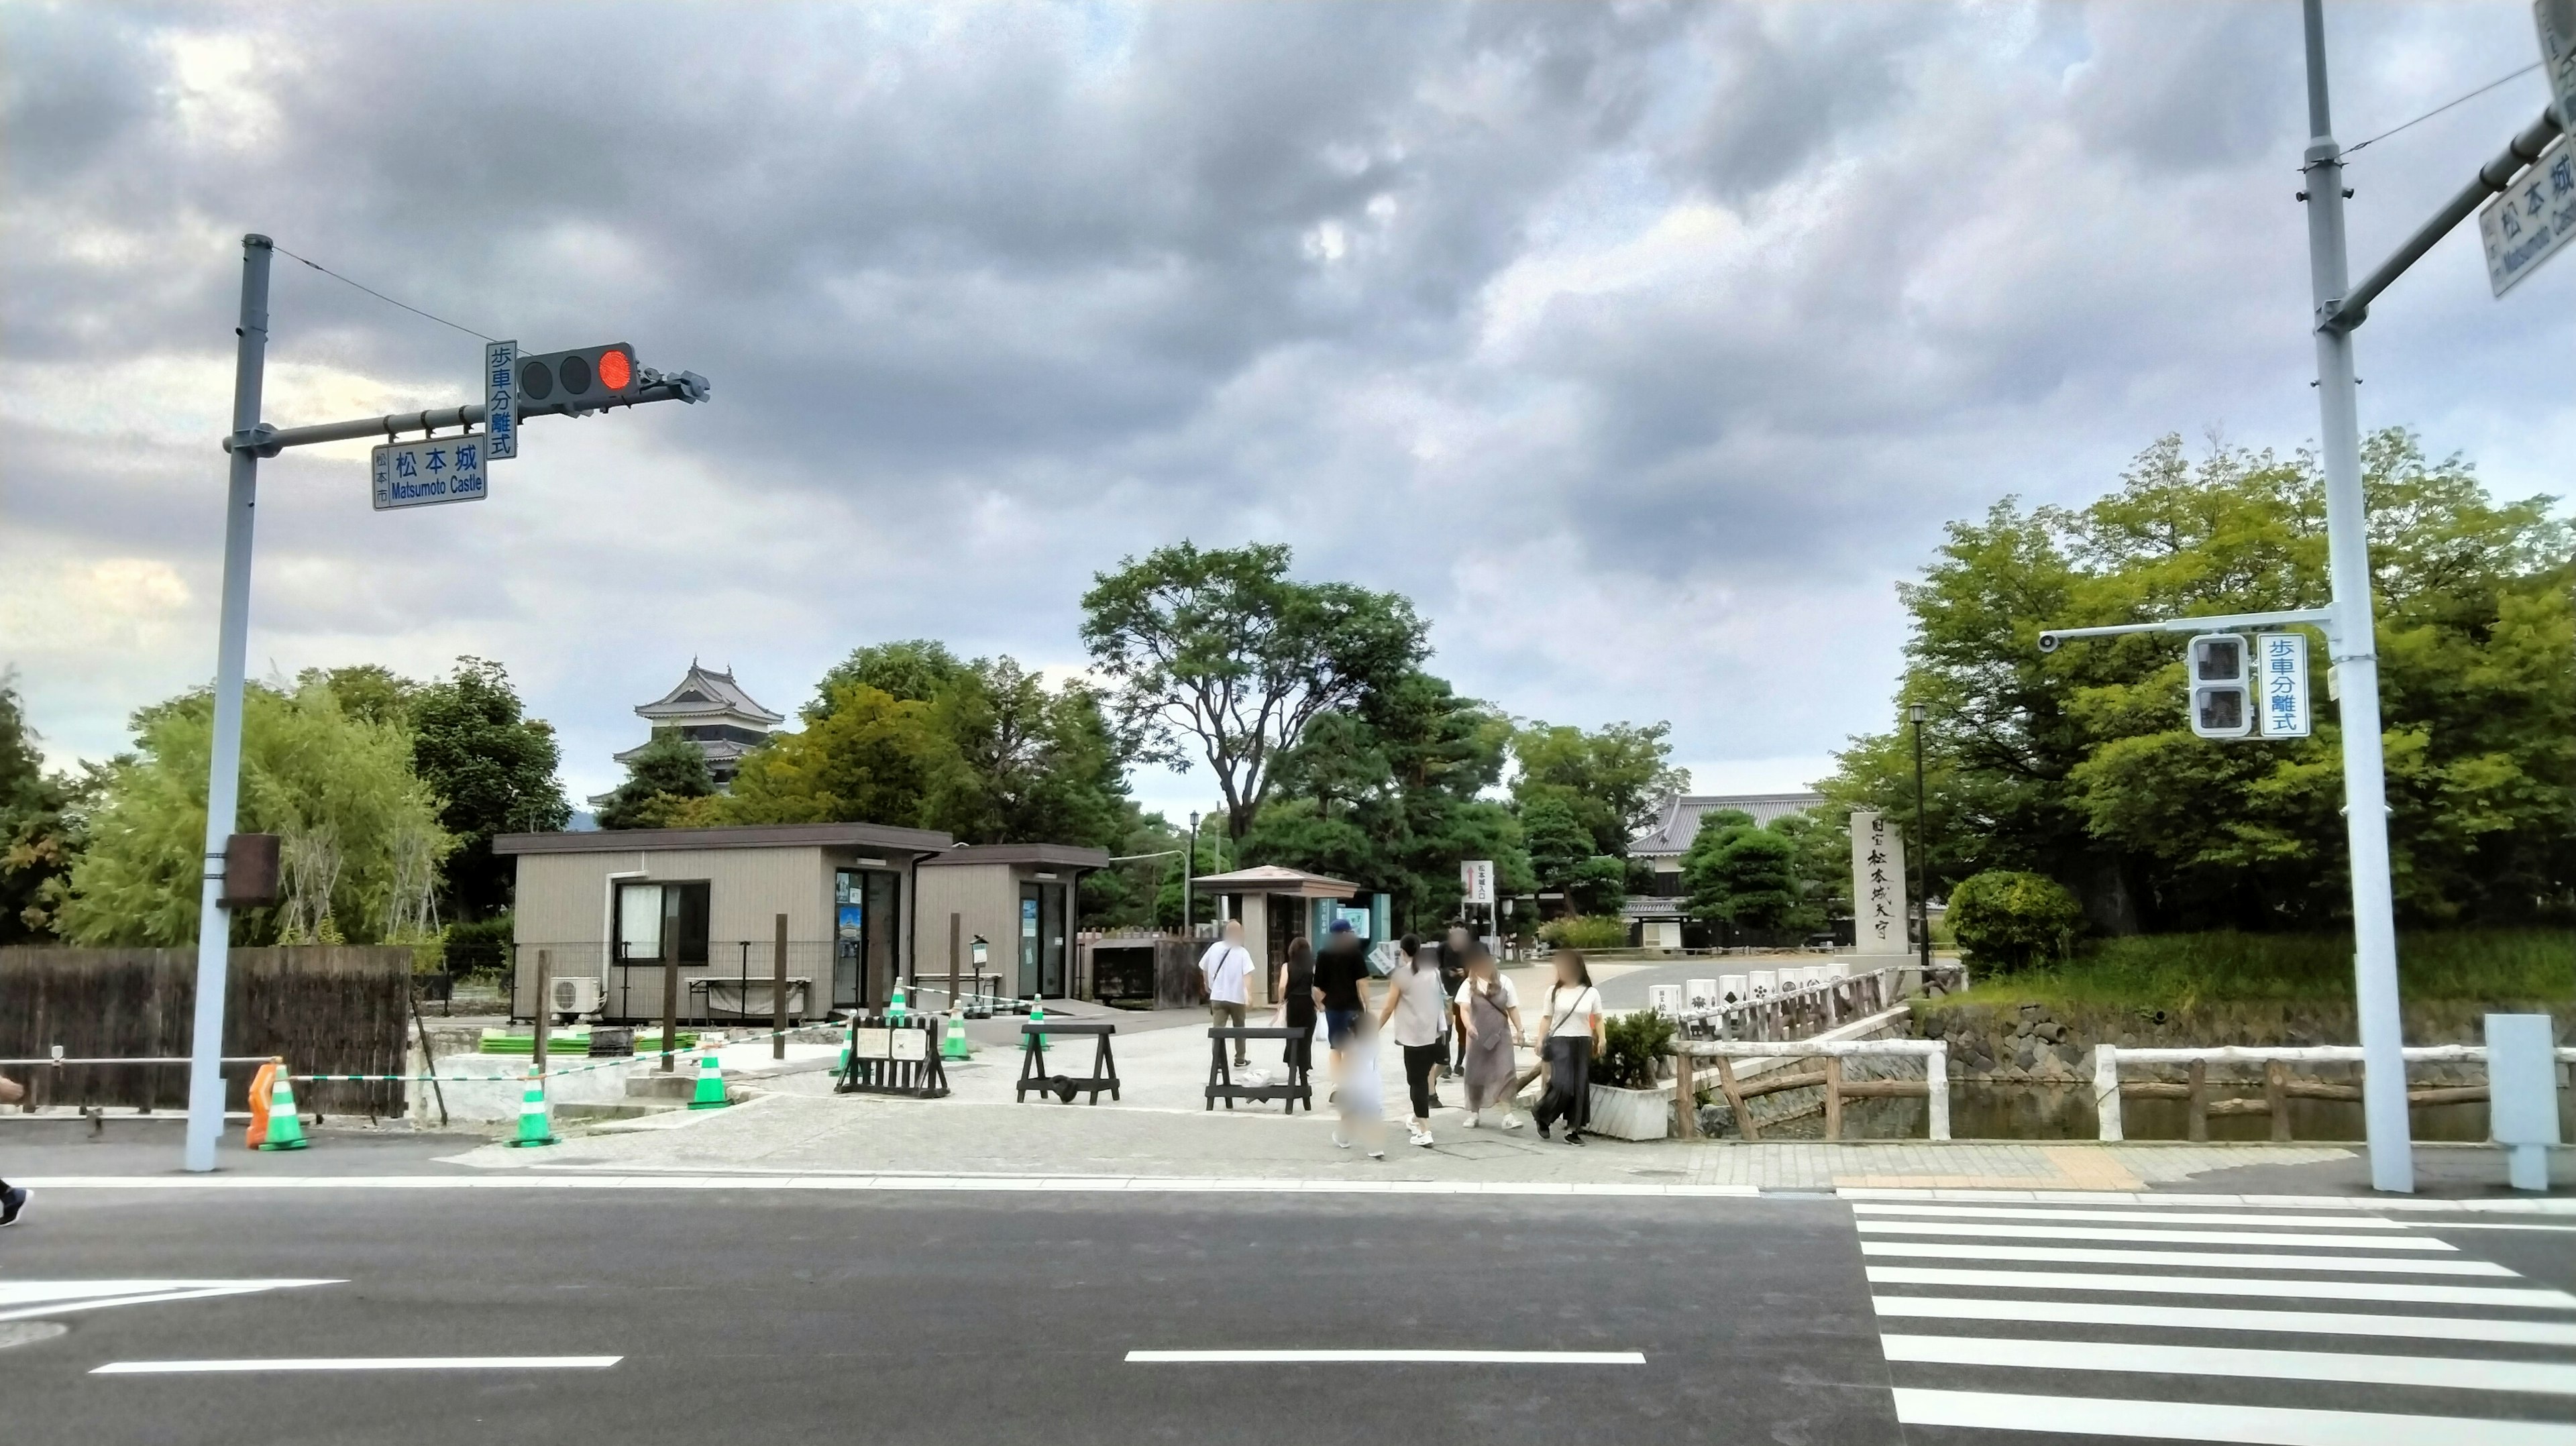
x=223, y=773
x=545, y=1010
x=2352, y=645
x=1189, y=866
x=1922, y=850
x=778, y=990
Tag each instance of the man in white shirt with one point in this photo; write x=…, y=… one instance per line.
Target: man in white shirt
x=1227, y=967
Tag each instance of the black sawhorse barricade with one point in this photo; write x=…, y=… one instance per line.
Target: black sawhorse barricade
x=910, y=1064
x=1221, y=1085
x=1033, y=1070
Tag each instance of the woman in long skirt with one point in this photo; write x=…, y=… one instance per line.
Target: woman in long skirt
x=1490, y=1013
x=1573, y=1035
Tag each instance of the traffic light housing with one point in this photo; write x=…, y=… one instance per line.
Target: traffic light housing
x=2218, y=669
x=585, y=379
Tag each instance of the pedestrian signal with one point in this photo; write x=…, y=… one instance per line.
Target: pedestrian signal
x=2221, y=682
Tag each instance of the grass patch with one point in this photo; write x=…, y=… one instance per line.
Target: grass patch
x=2180, y=970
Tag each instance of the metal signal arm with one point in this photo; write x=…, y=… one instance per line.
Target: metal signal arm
x=2051, y=640
x=268, y=441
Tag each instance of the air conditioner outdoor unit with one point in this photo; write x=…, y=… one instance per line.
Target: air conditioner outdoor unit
x=575, y=994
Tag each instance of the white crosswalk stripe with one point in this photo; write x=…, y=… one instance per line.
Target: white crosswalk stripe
x=2306, y=1332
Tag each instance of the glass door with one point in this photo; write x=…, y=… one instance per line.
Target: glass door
x=1030, y=979
x=867, y=922
x=1051, y=941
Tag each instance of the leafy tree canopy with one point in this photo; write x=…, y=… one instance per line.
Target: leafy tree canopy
x=40, y=830
x=474, y=746
x=2079, y=764
x=1218, y=652
x=1612, y=779
x=662, y=780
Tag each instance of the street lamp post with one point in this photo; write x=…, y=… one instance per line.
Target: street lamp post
x=1922, y=846
x=1189, y=864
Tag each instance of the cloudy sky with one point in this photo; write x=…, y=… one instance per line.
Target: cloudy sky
x=1644, y=346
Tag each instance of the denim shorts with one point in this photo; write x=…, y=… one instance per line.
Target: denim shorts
x=1340, y=1025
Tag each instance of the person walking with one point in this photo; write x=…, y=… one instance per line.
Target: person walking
x=1489, y=1015
x=1455, y=947
x=13, y=1198
x=1573, y=1034
x=1227, y=967
x=1415, y=1010
x=1341, y=986
x=1297, y=998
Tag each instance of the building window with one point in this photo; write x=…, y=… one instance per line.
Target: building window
x=661, y=923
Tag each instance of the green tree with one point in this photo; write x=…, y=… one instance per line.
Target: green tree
x=1756, y=878
x=1612, y=779
x=2079, y=764
x=40, y=832
x=1032, y=764
x=2005, y=919
x=1700, y=877
x=870, y=758
x=475, y=748
x=662, y=779
x=1563, y=859
x=1220, y=651
x=912, y=670
x=360, y=830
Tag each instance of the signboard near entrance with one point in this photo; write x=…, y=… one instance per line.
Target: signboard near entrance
x=1878, y=885
x=1476, y=880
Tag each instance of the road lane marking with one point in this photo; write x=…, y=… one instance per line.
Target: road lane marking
x=2405, y=1292
x=2185, y=1217
x=2200, y=1259
x=2187, y=1317
x=28, y=1299
x=1507, y=1358
x=2206, y=1421
x=1046, y=1184
x=2178, y=1237
x=360, y=1363
x=2020, y=1353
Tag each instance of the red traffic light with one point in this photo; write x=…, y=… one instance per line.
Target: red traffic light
x=616, y=369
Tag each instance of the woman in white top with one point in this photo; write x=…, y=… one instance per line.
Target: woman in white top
x=1573, y=1018
x=1489, y=1013
x=1416, y=1011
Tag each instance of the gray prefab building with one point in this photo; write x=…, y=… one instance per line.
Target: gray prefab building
x=639, y=910
x=1020, y=899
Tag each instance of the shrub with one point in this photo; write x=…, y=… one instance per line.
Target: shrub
x=1631, y=1045
x=2005, y=920
x=478, y=947
x=1586, y=931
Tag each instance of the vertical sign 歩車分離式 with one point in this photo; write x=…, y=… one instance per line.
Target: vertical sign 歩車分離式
x=2281, y=685
x=1878, y=885
x=500, y=400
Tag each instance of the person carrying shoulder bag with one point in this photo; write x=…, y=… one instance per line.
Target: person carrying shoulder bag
x=13, y=1198
x=1573, y=1023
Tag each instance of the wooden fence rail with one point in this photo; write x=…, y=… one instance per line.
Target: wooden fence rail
x=1934, y=1087
x=2278, y=1088
x=327, y=1010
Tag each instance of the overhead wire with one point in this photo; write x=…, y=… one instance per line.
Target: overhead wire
x=2446, y=105
x=380, y=296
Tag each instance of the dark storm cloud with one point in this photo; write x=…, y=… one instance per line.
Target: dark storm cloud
x=1623, y=336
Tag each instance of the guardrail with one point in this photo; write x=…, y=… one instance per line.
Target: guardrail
x=2278, y=1088
x=1934, y=1087
x=1809, y=1007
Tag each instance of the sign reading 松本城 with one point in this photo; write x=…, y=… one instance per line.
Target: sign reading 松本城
x=2533, y=220
x=1878, y=885
x=434, y=470
x=1476, y=880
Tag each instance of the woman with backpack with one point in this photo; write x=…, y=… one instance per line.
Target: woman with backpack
x=1573, y=1035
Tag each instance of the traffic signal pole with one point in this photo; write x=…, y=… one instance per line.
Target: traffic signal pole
x=2353, y=651
x=250, y=440
x=223, y=774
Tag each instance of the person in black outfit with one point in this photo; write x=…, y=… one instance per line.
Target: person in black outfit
x=1296, y=994
x=1341, y=985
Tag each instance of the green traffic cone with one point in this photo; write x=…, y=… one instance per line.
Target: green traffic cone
x=952, y=1045
x=285, y=1131
x=849, y=1042
x=894, y=1010
x=535, y=1126
x=1037, y=1015
x=711, y=1090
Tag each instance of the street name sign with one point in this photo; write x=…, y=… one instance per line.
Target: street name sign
x=2556, y=22
x=430, y=471
x=2281, y=682
x=501, y=400
x=2533, y=219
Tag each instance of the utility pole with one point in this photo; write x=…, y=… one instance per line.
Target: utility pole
x=1189, y=865
x=2352, y=648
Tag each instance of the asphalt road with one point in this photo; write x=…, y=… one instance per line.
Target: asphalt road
x=791, y=1315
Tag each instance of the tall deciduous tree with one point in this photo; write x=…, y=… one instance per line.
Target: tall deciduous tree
x=2080, y=765
x=494, y=768
x=1611, y=779
x=40, y=834
x=663, y=781
x=1218, y=652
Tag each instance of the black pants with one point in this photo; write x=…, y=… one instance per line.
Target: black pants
x=1419, y=1061
x=1569, y=1083
x=1300, y=1053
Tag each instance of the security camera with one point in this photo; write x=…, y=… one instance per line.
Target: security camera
x=2048, y=642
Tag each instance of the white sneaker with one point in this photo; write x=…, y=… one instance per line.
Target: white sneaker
x=1511, y=1122
x=1471, y=1119
x=1422, y=1138
x=1377, y=1152
x=1338, y=1142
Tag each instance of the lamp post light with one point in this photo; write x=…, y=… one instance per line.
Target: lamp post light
x=1189, y=864
x=1922, y=846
